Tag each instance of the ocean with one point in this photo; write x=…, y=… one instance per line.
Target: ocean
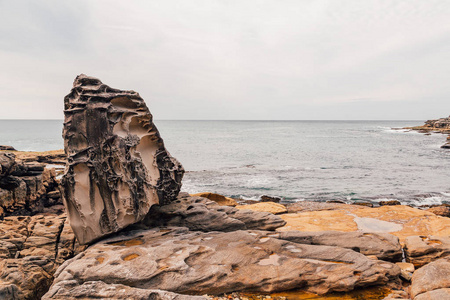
x=295, y=160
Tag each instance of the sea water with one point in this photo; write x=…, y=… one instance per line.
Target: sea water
x=294, y=160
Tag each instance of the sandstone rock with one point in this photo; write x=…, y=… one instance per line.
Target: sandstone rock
x=221, y=200
x=67, y=290
x=117, y=166
x=421, y=250
x=32, y=275
x=24, y=187
x=407, y=270
x=440, y=294
x=381, y=245
x=198, y=213
x=31, y=248
x=180, y=261
x=400, y=220
x=442, y=210
x=432, y=280
x=305, y=206
x=271, y=207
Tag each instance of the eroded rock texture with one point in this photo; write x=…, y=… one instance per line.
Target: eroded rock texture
x=117, y=164
x=26, y=188
x=194, y=262
x=31, y=249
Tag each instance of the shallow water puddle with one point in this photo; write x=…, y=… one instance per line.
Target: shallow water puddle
x=375, y=225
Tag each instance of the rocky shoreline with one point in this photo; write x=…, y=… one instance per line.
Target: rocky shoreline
x=337, y=239
x=116, y=226
x=441, y=125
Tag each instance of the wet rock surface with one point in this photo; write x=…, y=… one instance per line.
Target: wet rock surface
x=181, y=261
x=117, y=166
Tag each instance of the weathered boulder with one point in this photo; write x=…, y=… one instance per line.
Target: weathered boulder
x=421, y=250
x=181, y=261
x=66, y=290
x=382, y=245
x=117, y=165
x=432, y=281
x=202, y=214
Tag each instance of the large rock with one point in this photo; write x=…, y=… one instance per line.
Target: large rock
x=399, y=220
x=31, y=249
x=421, y=250
x=66, y=290
x=382, y=245
x=202, y=214
x=117, y=165
x=180, y=261
x=432, y=281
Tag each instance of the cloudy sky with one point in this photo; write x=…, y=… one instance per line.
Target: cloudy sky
x=232, y=59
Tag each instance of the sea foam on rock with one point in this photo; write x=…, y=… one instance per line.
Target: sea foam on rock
x=117, y=165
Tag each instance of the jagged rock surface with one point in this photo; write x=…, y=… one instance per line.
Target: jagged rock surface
x=202, y=214
x=182, y=261
x=26, y=188
x=117, y=166
x=31, y=249
x=421, y=250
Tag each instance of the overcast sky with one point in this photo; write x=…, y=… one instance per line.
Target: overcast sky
x=232, y=59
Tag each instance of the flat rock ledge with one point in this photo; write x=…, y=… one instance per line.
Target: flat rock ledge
x=181, y=261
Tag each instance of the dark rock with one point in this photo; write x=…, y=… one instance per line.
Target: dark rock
x=7, y=148
x=265, y=198
x=117, y=166
x=389, y=202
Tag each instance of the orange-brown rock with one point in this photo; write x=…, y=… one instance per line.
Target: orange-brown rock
x=31, y=248
x=401, y=221
x=421, y=250
x=176, y=260
x=271, y=207
x=221, y=200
